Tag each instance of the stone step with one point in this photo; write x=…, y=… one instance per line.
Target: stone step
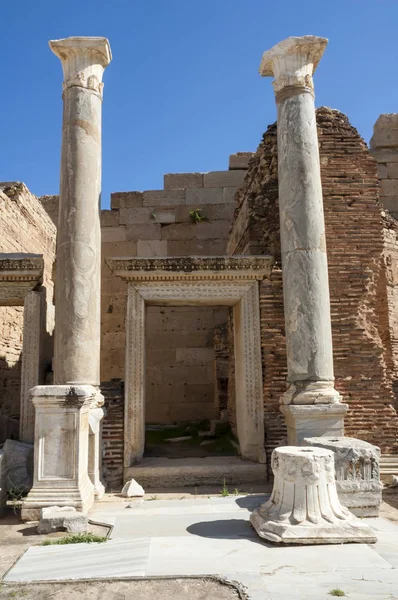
x=388, y=466
x=183, y=472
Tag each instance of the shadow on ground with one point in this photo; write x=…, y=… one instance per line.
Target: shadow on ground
x=228, y=529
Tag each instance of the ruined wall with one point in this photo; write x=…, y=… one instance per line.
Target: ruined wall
x=24, y=227
x=363, y=356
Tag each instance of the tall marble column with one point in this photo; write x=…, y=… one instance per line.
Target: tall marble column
x=77, y=289
x=66, y=464
x=311, y=404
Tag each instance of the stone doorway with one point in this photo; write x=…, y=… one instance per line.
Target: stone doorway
x=195, y=281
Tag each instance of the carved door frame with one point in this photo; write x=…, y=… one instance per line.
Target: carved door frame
x=157, y=284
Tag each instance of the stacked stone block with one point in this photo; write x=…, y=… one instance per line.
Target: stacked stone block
x=384, y=148
x=360, y=311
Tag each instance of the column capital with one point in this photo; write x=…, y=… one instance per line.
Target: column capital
x=83, y=61
x=293, y=61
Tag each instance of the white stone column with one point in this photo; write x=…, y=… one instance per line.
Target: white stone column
x=78, y=270
x=62, y=410
x=134, y=410
x=303, y=244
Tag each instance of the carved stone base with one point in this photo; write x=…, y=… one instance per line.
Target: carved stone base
x=304, y=507
x=61, y=449
x=314, y=420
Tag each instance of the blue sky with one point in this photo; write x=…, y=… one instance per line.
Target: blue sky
x=183, y=90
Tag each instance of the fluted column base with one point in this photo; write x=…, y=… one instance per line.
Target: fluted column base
x=304, y=507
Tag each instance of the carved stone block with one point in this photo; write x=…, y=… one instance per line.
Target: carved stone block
x=357, y=473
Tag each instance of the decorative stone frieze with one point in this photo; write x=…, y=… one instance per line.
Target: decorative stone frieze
x=191, y=267
x=304, y=507
x=19, y=274
x=357, y=473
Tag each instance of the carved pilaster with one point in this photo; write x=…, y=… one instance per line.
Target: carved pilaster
x=248, y=375
x=134, y=426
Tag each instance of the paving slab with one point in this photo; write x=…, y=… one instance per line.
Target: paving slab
x=212, y=536
x=205, y=525
x=119, y=558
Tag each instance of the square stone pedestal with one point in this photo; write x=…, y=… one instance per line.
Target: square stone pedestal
x=313, y=420
x=61, y=449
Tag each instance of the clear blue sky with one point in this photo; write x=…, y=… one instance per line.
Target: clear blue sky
x=183, y=90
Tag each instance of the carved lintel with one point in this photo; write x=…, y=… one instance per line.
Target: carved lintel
x=192, y=268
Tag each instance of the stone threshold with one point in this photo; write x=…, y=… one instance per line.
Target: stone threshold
x=191, y=472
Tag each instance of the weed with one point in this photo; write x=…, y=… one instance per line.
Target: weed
x=197, y=215
x=152, y=498
x=236, y=492
x=225, y=490
x=15, y=494
x=77, y=538
x=337, y=592
x=153, y=215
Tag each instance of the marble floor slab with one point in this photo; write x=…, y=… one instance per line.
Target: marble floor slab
x=213, y=536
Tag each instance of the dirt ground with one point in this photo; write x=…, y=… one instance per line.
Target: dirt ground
x=169, y=589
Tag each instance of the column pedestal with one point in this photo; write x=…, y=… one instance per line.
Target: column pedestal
x=61, y=449
x=316, y=420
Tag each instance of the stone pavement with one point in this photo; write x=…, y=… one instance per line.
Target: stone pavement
x=212, y=536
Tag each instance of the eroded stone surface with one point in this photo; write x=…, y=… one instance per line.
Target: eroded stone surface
x=304, y=507
x=357, y=473
x=62, y=517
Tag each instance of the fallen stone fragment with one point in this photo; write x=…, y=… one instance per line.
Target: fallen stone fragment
x=62, y=517
x=132, y=488
x=183, y=438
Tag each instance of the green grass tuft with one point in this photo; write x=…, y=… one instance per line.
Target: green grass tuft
x=77, y=538
x=337, y=592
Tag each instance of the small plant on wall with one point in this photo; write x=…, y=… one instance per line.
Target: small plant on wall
x=197, y=215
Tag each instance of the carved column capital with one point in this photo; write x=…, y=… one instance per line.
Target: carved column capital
x=83, y=61
x=292, y=62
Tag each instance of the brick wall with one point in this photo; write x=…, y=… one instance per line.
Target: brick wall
x=24, y=227
x=361, y=320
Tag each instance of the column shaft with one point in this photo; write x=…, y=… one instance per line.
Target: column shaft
x=78, y=272
x=304, y=260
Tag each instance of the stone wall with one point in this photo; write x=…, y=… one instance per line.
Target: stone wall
x=24, y=227
x=361, y=322
x=384, y=148
x=158, y=223
x=180, y=363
